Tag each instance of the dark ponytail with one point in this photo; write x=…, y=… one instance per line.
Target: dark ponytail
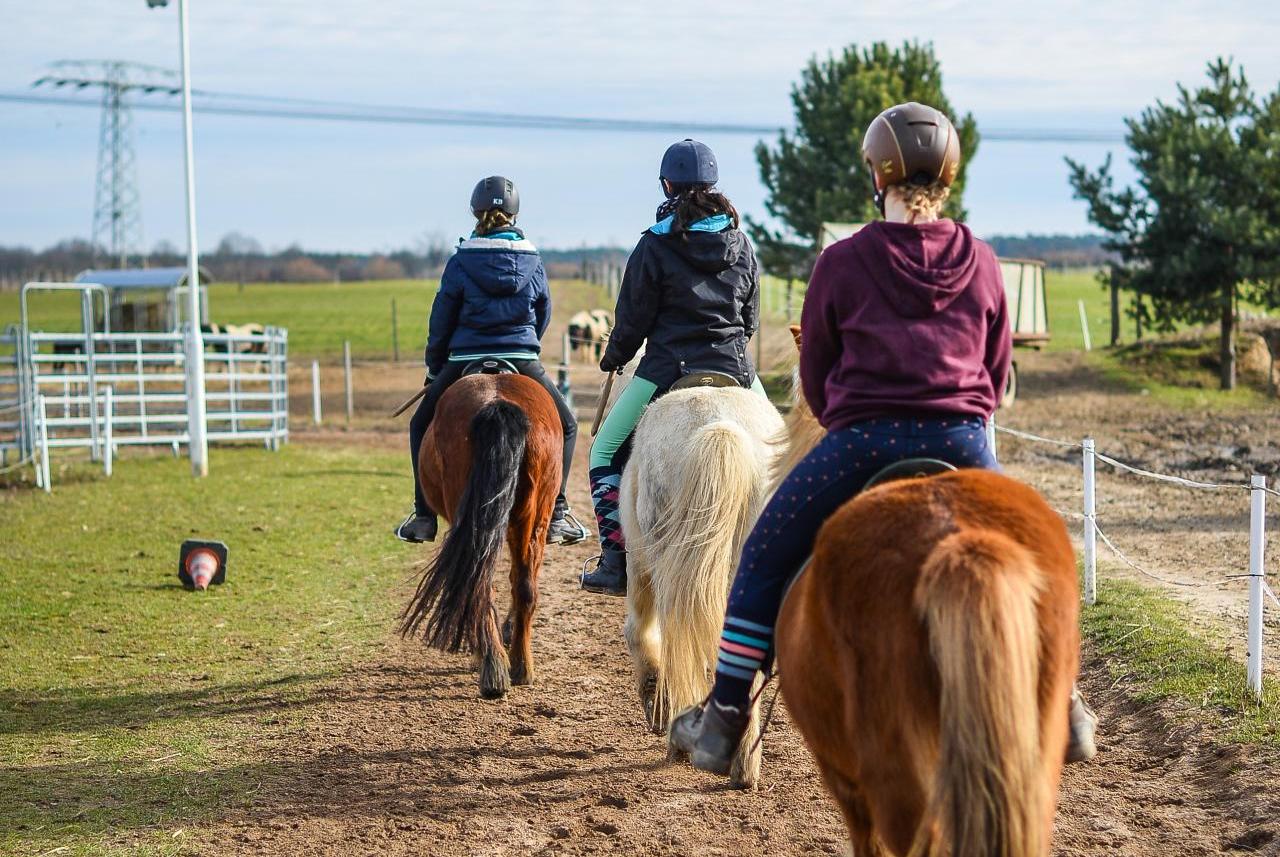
x=692, y=203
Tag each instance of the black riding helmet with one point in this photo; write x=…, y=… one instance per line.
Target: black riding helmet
x=495, y=192
x=687, y=163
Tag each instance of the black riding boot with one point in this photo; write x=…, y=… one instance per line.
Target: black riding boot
x=418, y=528
x=710, y=734
x=565, y=529
x=610, y=576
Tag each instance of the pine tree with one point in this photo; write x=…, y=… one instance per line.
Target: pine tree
x=816, y=175
x=1201, y=230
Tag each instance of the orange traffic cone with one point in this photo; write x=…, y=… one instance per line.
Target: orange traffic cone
x=202, y=564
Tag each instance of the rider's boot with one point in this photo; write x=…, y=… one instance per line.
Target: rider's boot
x=610, y=575
x=418, y=528
x=1084, y=723
x=710, y=734
x=565, y=529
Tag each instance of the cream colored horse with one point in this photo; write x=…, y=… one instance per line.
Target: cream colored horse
x=697, y=479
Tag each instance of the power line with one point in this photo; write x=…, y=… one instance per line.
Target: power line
x=330, y=111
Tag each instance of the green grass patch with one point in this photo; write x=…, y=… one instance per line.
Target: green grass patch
x=319, y=316
x=1147, y=640
x=1181, y=372
x=130, y=707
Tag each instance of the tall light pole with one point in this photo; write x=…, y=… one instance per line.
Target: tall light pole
x=196, y=424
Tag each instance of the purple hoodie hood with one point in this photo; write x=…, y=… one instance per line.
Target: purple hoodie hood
x=920, y=269
x=905, y=319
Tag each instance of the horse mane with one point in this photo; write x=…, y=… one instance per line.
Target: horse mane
x=801, y=432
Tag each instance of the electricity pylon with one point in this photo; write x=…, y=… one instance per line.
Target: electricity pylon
x=117, y=209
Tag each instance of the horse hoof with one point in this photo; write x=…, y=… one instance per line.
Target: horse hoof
x=521, y=676
x=495, y=679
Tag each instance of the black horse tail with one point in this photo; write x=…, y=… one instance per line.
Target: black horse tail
x=455, y=597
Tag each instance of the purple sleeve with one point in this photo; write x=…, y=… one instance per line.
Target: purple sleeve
x=819, y=339
x=999, y=340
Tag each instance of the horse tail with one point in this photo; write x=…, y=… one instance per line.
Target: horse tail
x=455, y=598
x=977, y=593
x=692, y=551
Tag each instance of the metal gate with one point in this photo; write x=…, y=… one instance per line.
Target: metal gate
x=99, y=390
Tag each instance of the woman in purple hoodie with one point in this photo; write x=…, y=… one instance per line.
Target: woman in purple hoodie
x=905, y=353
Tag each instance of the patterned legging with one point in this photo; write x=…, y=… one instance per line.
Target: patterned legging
x=832, y=473
x=610, y=451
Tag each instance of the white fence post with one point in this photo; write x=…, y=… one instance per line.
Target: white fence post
x=1084, y=325
x=108, y=416
x=1090, y=528
x=1257, y=515
x=44, y=444
x=315, y=391
x=346, y=366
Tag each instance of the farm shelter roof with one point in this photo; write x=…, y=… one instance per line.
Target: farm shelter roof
x=141, y=278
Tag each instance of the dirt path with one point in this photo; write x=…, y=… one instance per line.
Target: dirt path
x=401, y=757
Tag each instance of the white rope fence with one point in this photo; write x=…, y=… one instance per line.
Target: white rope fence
x=1258, y=491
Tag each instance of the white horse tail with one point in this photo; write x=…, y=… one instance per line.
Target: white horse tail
x=692, y=554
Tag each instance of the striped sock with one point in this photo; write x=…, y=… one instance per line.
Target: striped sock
x=743, y=648
x=605, y=482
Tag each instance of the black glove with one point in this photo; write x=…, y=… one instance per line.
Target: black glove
x=609, y=364
x=431, y=376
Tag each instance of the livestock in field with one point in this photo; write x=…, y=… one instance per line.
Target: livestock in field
x=588, y=331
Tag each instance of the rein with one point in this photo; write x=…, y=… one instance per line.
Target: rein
x=773, y=703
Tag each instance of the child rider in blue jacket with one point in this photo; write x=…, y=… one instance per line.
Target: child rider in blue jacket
x=493, y=302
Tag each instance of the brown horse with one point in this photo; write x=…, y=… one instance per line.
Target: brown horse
x=490, y=463
x=927, y=657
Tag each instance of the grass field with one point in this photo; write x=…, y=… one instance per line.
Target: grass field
x=319, y=316
x=128, y=703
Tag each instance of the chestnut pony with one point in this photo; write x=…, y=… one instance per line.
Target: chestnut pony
x=490, y=463
x=927, y=656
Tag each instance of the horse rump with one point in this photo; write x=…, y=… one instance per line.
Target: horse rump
x=978, y=593
x=453, y=606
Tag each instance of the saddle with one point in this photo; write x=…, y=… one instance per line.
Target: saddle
x=908, y=468
x=489, y=366
x=705, y=378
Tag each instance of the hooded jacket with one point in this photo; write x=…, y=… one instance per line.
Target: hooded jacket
x=905, y=319
x=694, y=295
x=493, y=298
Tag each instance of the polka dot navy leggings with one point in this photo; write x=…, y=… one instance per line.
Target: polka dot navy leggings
x=782, y=540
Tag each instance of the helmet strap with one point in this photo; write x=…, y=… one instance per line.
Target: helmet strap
x=878, y=199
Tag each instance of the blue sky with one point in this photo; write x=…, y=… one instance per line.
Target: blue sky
x=1077, y=65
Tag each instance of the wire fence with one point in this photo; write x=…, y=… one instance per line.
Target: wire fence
x=1259, y=588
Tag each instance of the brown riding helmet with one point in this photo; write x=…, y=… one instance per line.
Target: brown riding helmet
x=912, y=143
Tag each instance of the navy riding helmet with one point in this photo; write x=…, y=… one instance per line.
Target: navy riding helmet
x=689, y=162
x=495, y=192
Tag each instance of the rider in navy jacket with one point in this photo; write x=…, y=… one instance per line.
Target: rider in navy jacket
x=493, y=302
x=493, y=298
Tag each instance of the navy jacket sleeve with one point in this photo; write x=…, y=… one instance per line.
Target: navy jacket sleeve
x=444, y=319
x=638, y=301
x=541, y=300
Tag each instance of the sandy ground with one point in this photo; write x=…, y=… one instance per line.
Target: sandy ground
x=401, y=757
